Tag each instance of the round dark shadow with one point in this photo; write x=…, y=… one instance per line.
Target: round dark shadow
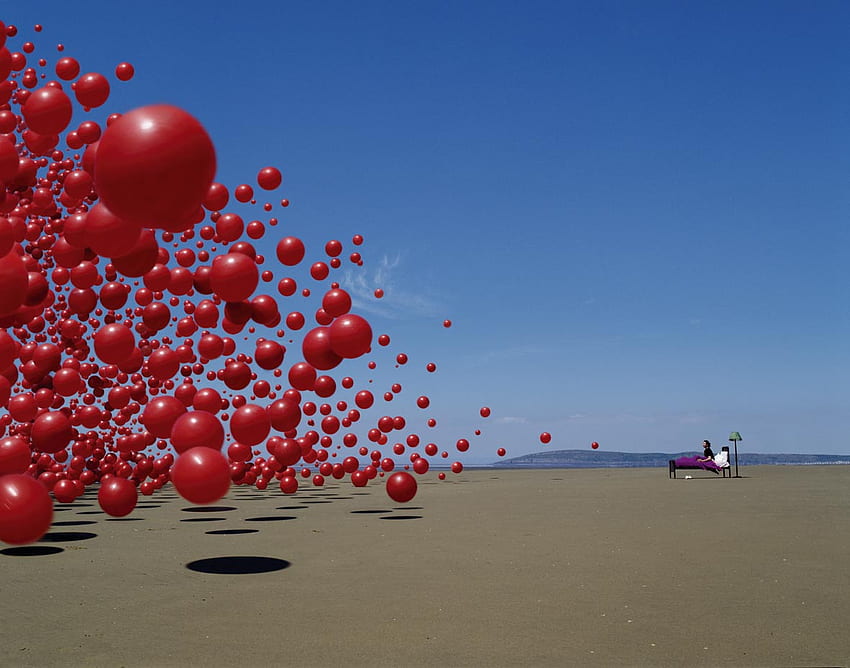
x=408, y=508
x=125, y=519
x=237, y=565
x=148, y=505
x=271, y=518
x=66, y=536
x=31, y=551
x=231, y=532
x=291, y=507
x=74, y=523
x=203, y=519
x=208, y=509
x=402, y=517
x=370, y=512
x=91, y=512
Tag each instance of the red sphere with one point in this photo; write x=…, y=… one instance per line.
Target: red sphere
x=201, y=475
x=26, y=509
x=13, y=278
x=350, y=336
x=51, y=432
x=117, y=496
x=154, y=166
x=401, y=487
x=269, y=178
x=14, y=455
x=160, y=415
x=234, y=277
x=48, y=111
x=250, y=424
x=317, y=349
x=290, y=251
x=114, y=343
x=195, y=429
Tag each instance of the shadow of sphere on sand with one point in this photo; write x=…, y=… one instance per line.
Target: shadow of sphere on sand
x=66, y=536
x=208, y=509
x=237, y=565
x=31, y=551
x=74, y=523
x=230, y=532
x=402, y=517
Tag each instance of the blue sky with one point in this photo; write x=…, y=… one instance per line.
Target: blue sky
x=634, y=213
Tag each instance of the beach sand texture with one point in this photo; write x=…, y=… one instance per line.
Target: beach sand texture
x=489, y=568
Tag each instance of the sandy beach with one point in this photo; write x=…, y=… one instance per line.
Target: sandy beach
x=491, y=567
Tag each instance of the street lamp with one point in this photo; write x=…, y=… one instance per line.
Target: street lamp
x=735, y=437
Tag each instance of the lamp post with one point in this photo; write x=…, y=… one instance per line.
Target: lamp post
x=735, y=437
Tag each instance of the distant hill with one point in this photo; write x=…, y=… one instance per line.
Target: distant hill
x=592, y=459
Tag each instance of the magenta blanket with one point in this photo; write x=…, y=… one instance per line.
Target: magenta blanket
x=694, y=463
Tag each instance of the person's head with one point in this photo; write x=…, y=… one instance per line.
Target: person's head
x=706, y=444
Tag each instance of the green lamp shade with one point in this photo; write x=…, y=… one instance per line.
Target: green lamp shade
x=735, y=436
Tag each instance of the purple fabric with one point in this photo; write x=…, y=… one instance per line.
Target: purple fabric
x=694, y=463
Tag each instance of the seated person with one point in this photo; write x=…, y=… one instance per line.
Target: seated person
x=705, y=462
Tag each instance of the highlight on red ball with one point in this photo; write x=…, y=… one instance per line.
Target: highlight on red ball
x=157, y=329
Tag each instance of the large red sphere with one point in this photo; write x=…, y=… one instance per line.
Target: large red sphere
x=160, y=415
x=14, y=455
x=195, y=429
x=317, y=350
x=250, y=424
x=51, y=432
x=48, y=110
x=154, y=166
x=13, y=278
x=114, y=343
x=290, y=251
x=117, y=496
x=201, y=475
x=350, y=336
x=401, y=487
x=26, y=510
x=107, y=234
x=234, y=276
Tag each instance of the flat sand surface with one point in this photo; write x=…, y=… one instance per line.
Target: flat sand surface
x=489, y=568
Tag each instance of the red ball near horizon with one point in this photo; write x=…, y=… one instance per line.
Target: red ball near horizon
x=594, y=445
x=401, y=487
x=545, y=437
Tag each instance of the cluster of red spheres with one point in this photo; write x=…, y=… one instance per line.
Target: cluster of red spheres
x=153, y=327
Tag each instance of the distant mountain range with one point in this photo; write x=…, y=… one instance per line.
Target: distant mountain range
x=593, y=459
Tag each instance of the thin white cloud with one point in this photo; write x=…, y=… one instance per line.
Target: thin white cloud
x=398, y=300
x=511, y=420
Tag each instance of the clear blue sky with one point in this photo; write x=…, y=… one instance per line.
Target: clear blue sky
x=634, y=213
